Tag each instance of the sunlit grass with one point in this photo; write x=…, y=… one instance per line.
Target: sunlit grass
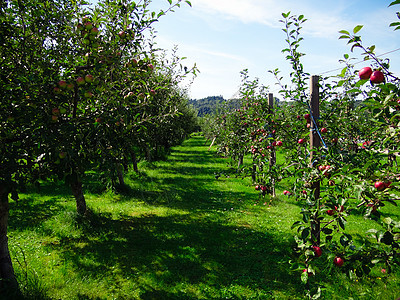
x=175, y=232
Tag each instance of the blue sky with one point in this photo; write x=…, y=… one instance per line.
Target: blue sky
x=224, y=37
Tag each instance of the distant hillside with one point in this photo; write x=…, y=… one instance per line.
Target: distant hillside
x=210, y=104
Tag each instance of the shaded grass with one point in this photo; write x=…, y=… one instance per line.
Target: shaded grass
x=175, y=232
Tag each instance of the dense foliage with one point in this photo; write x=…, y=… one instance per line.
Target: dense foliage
x=83, y=89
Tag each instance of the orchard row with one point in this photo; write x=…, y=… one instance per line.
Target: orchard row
x=340, y=153
x=83, y=89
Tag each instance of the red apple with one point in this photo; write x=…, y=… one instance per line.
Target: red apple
x=257, y=187
x=334, y=141
x=94, y=31
x=330, y=212
x=89, y=78
x=55, y=111
x=377, y=77
x=122, y=34
x=152, y=92
x=365, y=73
x=151, y=67
x=307, y=116
x=62, y=84
x=338, y=261
x=80, y=81
x=70, y=86
x=134, y=62
x=88, y=25
x=279, y=143
x=301, y=141
x=324, y=130
x=317, y=251
x=379, y=185
x=264, y=188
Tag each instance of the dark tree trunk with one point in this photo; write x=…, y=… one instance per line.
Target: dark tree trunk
x=134, y=162
x=77, y=191
x=253, y=173
x=240, y=162
x=8, y=282
x=148, y=152
x=120, y=175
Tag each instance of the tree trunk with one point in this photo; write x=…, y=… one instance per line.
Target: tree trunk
x=253, y=173
x=134, y=162
x=240, y=162
x=148, y=152
x=77, y=191
x=8, y=282
x=120, y=175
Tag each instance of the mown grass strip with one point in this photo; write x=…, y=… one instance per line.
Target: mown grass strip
x=177, y=232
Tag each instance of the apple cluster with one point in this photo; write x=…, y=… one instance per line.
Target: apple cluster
x=83, y=80
x=375, y=77
x=261, y=188
x=381, y=186
x=89, y=32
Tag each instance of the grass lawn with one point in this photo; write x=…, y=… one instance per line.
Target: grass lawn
x=177, y=232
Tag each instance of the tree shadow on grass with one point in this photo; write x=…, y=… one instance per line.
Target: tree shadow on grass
x=29, y=212
x=172, y=251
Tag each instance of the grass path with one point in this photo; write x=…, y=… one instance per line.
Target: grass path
x=176, y=233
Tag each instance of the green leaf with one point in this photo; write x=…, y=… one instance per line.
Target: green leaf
x=394, y=3
x=355, y=46
x=304, y=277
x=361, y=82
x=189, y=3
x=295, y=224
x=345, y=32
x=357, y=28
x=342, y=222
x=387, y=220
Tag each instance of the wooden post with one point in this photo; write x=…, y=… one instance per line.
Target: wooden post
x=272, y=159
x=315, y=143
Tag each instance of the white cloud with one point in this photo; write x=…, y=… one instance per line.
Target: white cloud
x=322, y=22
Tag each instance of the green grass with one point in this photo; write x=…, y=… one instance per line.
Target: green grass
x=176, y=232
